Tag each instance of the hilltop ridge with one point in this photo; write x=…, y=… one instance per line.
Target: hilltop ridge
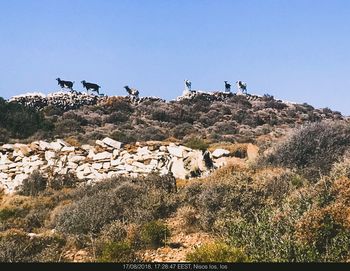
x=211, y=116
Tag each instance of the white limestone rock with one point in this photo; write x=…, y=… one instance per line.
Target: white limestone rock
x=49, y=155
x=163, y=148
x=4, y=160
x=97, y=165
x=76, y=158
x=178, y=169
x=34, y=158
x=112, y=143
x=115, y=153
x=106, y=165
x=68, y=149
x=3, y=168
x=176, y=151
x=101, y=143
x=43, y=145
x=102, y=156
x=56, y=146
x=63, y=143
x=143, y=151
x=220, y=152
x=8, y=147
x=115, y=162
x=72, y=165
x=195, y=162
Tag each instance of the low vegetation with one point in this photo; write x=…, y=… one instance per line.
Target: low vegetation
x=290, y=205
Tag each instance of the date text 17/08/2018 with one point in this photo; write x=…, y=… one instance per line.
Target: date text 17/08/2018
x=174, y=266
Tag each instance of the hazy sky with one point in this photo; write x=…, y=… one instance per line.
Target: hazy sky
x=297, y=50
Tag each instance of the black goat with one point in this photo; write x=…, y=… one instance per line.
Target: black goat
x=227, y=86
x=92, y=86
x=132, y=91
x=65, y=84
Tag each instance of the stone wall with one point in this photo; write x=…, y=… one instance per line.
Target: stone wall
x=62, y=100
x=106, y=159
x=68, y=100
x=213, y=95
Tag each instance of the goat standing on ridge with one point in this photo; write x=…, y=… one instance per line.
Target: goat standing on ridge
x=132, y=92
x=242, y=87
x=188, y=85
x=65, y=84
x=91, y=86
x=227, y=87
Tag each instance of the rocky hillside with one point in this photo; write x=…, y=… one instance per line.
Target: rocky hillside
x=226, y=178
x=213, y=117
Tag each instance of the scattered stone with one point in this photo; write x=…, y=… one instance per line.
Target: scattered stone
x=102, y=156
x=220, y=152
x=112, y=143
x=175, y=151
x=91, y=165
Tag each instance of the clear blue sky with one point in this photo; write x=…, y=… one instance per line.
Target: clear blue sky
x=297, y=50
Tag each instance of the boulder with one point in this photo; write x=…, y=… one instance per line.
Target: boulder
x=3, y=168
x=72, y=165
x=115, y=162
x=76, y=158
x=220, y=152
x=56, y=146
x=43, y=145
x=115, y=153
x=112, y=143
x=97, y=165
x=106, y=165
x=4, y=160
x=195, y=163
x=7, y=147
x=63, y=143
x=68, y=149
x=252, y=152
x=49, y=155
x=101, y=143
x=176, y=151
x=102, y=156
x=143, y=151
x=178, y=169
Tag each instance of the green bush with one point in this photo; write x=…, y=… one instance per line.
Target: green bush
x=7, y=213
x=117, y=252
x=312, y=149
x=115, y=232
x=33, y=185
x=67, y=126
x=154, y=233
x=4, y=135
x=17, y=246
x=196, y=143
x=60, y=181
x=217, y=252
x=132, y=200
x=21, y=121
x=125, y=136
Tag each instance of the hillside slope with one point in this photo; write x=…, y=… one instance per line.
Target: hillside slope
x=213, y=117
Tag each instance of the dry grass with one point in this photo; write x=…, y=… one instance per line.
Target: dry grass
x=73, y=141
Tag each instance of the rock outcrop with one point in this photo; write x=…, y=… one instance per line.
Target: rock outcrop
x=213, y=96
x=106, y=159
x=68, y=100
x=61, y=100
